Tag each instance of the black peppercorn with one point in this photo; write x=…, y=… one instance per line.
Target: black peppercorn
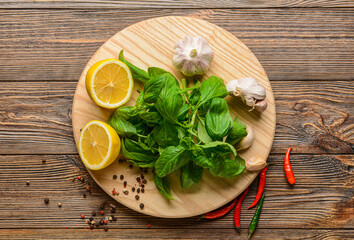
x=91, y=219
x=27, y=183
x=130, y=166
x=146, y=170
x=84, y=195
x=144, y=181
x=142, y=185
x=114, y=177
x=101, y=222
x=137, y=197
x=125, y=183
x=43, y=161
x=46, y=200
x=138, y=190
x=133, y=189
x=142, y=190
x=141, y=205
x=138, y=179
x=105, y=228
x=142, y=176
x=113, y=210
x=93, y=213
x=121, y=177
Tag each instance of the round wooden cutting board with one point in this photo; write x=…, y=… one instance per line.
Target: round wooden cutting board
x=151, y=43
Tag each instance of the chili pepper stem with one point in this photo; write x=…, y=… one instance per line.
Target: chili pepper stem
x=203, y=216
x=238, y=229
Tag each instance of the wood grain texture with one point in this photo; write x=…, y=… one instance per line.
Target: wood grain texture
x=321, y=199
x=291, y=44
x=312, y=116
x=151, y=44
x=156, y=234
x=122, y=4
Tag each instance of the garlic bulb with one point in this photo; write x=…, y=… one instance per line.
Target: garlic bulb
x=247, y=141
x=255, y=163
x=192, y=56
x=250, y=91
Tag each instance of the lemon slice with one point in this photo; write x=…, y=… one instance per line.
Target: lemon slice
x=99, y=145
x=109, y=83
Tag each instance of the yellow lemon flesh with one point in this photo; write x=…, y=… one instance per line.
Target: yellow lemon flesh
x=109, y=83
x=99, y=145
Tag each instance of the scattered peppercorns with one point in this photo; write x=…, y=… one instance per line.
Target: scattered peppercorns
x=142, y=186
x=125, y=191
x=115, y=177
x=46, y=200
x=121, y=177
x=105, y=228
x=133, y=189
x=125, y=183
x=130, y=166
x=101, y=222
x=141, y=205
x=91, y=219
x=137, y=197
x=138, y=179
x=27, y=183
x=144, y=181
x=138, y=190
x=43, y=161
x=60, y=204
x=84, y=195
x=142, y=176
x=93, y=213
x=142, y=190
x=146, y=170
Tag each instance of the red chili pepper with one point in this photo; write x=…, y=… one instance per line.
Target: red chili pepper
x=221, y=212
x=288, y=169
x=238, y=211
x=261, y=184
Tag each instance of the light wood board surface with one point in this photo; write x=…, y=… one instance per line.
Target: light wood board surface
x=150, y=43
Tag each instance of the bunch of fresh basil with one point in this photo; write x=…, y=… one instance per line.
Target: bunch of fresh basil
x=172, y=129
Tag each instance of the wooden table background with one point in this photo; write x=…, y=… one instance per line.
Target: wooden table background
x=307, y=50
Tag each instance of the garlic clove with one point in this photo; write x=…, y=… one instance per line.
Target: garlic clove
x=261, y=106
x=247, y=141
x=192, y=56
x=255, y=163
x=250, y=91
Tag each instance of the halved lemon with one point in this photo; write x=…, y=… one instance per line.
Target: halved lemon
x=109, y=83
x=99, y=145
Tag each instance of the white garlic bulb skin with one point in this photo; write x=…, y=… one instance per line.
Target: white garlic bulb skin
x=255, y=163
x=251, y=92
x=192, y=56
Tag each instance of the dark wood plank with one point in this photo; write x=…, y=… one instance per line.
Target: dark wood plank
x=157, y=234
x=322, y=197
x=291, y=44
x=313, y=117
x=174, y=4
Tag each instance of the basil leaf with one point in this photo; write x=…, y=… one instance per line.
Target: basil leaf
x=153, y=88
x=202, y=132
x=155, y=71
x=165, y=134
x=163, y=185
x=121, y=126
x=170, y=100
x=190, y=175
x=140, y=157
x=140, y=104
x=212, y=87
x=137, y=73
x=171, y=159
x=237, y=132
x=187, y=143
x=141, y=127
x=150, y=117
x=183, y=111
x=228, y=167
x=221, y=148
x=203, y=161
x=218, y=120
x=125, y=112
x=181, y=132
